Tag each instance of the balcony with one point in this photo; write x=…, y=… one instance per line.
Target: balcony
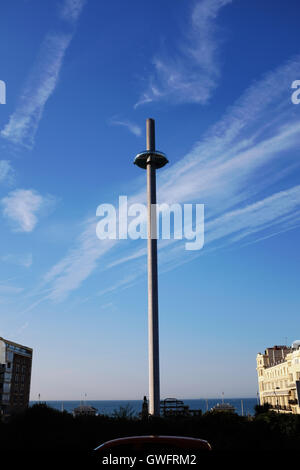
x=281, y=408
x=293, y=402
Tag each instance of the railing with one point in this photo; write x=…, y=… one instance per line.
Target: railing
x=281, y=407
x=172, y=406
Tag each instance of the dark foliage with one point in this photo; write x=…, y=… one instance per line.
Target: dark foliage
x=259, y=409
x=41, y=429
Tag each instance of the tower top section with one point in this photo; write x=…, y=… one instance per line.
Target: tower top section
x=150, y=156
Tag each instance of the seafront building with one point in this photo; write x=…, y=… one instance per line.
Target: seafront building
x=84, y=410
x=15, y=376
x=278, y=371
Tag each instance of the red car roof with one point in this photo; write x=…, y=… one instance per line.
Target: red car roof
x=180, y=441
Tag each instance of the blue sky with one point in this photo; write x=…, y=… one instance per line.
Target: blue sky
x=81, y=78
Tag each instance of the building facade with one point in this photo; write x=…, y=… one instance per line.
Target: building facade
x=15, y=376
x=278, y=371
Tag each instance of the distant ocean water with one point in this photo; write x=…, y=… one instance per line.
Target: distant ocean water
x=107, y=407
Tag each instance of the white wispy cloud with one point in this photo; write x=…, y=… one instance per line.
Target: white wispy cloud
x=78, y=264
x=129, y=257
x=132, y=127
x=279, y=213
x=71, y=9
x=256, y=130
x=193, y=72
x=19, y=330
x=41, y=83
x=230, y=170
x=10, y=290
x=120, y=284
x=23, y=259
x=277, y=210
x=16, y=333
x=22, y=207
x=7, y=174
x=23, y=123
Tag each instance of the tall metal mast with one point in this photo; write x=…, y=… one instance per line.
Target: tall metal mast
x=151, y=160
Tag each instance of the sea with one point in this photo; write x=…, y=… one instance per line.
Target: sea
x=243, y=406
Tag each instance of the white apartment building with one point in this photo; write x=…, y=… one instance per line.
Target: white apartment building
x=278, y=371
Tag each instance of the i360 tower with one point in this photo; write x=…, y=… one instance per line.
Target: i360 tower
x=151, y=160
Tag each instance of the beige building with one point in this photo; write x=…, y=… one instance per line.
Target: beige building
x=278, y=371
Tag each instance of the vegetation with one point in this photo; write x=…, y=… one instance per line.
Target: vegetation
x=124, y=412
x=259, y=409
x=41, y=428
